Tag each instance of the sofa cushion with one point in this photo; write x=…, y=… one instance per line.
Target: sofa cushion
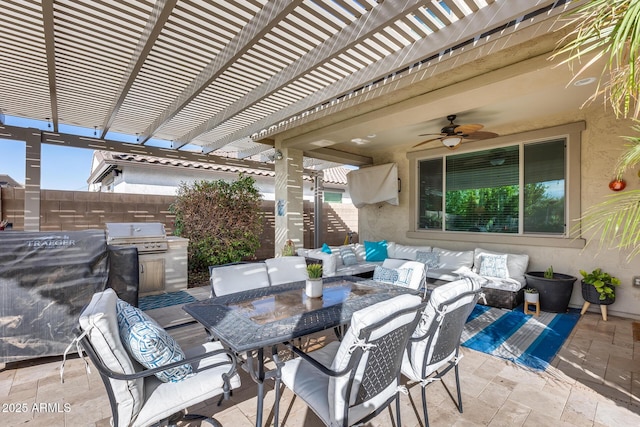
x=325, y=248
x=516, y=263
x=452, y=260
x=396, y=250
x=149, y=343
x=493, y=265
x=376, y=251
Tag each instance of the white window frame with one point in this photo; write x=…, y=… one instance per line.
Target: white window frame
x=570, y=132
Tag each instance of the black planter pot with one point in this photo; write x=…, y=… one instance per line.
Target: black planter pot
x=590, y=294
x=555, y=293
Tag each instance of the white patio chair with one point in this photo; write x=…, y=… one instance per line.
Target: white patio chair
x=228, y=279
x=286, y=269
x=350, y=382
x=434, y=348
x=136, y=395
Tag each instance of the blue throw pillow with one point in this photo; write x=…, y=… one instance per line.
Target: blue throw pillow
x=149, y=343
x=348, y=256
x=326, y=249
x=375, y=251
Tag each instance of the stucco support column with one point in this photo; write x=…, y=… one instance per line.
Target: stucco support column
x=289, y=207
x=32, y=181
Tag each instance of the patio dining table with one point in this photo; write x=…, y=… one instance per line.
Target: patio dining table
x=250, y=321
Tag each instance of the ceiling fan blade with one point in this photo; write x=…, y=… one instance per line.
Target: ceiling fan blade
x=469, y=128
x=482, y=135
x=434, y=134
x=427, y=141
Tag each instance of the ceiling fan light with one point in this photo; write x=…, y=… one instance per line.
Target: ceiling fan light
x=452, y=142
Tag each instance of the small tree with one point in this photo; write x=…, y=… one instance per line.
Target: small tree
x=222, y=220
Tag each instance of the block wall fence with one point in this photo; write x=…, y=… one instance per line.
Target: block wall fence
x=82, y=210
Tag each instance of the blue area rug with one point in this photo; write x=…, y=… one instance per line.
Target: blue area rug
x=524, y=339
x=164, y=300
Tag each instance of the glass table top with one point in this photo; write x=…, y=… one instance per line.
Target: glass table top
x=280, y=306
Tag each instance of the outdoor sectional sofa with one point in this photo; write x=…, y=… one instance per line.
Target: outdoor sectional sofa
x=501, y=274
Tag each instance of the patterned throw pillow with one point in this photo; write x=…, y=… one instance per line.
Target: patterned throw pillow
x=394, y=276
x=149, y=343
x=384, y=274
x=429, y=259
x=348, y=256
x=494, y=266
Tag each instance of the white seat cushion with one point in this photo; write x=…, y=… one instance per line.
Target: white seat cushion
x=286, y=269
x=310, y=383
x=164, y=399
x=99, y=319
x=228, y=279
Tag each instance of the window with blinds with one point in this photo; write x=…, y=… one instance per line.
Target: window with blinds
x=514, y=189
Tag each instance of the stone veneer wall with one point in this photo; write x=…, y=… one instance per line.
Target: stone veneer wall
x=82, y=210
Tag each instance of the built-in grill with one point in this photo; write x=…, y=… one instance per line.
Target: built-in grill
x=148, y=237
x=162, y=259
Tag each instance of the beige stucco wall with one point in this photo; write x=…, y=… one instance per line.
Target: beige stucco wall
x=601, y=146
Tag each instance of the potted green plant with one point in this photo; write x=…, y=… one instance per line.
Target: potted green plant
x=314, y=282
x=531, y=295
x=598, y=287
x=554, y=288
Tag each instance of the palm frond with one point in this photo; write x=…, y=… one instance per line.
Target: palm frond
x=631, y=157
x=607, y=28
x=615, y=221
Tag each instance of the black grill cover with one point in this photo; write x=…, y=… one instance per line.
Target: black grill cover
x=46, y=278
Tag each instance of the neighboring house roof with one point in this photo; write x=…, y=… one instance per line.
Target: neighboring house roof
x=104, y=161
x=7, y=181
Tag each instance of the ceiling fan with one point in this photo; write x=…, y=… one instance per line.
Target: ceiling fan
x=452, y=135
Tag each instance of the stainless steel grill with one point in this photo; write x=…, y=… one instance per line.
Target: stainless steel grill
x=148, y=237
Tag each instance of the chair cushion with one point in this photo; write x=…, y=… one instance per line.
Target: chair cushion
x=228, y=279
x=165, y=399
x=286, y=269
x=100, y=322
x=375, y=251
x=149, y=343
x=309, y=383
x=413, y=361
x=359, y=320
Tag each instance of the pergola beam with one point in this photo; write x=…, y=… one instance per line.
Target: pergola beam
x=267, y=18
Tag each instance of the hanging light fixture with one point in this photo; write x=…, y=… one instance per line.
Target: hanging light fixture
x=452, y=142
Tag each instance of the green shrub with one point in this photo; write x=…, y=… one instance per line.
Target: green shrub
x=314, y=270
x=222, y=220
